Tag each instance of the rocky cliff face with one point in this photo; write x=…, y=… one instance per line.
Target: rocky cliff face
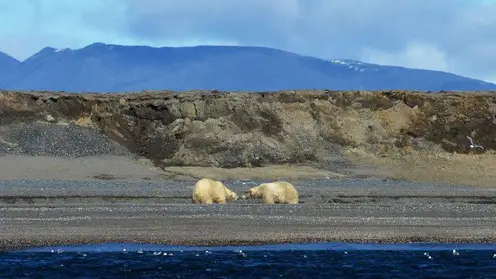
x=252, y=129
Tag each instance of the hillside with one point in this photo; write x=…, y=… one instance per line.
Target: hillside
x=8, y=65
x=416, y=135
x=113, y=68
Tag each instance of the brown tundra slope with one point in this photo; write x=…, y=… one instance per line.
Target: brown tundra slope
x=407, y=135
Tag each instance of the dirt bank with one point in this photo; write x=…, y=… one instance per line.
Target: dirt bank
x=364, y=133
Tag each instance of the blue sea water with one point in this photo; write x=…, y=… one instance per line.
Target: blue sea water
x=320, y=260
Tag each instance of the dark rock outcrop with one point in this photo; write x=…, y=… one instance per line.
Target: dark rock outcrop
x=256, y=129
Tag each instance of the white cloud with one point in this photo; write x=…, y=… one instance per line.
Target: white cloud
x=415, y=55
x=490, y=77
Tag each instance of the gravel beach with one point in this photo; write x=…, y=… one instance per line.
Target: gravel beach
x=50, y=212
x=369, y=167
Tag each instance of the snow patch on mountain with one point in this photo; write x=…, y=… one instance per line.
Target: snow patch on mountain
x=62, y=49
x=355, y=65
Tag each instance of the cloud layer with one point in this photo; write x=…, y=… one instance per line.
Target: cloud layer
x=451, y=35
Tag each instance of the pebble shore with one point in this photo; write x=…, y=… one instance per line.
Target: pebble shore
x=38, y=213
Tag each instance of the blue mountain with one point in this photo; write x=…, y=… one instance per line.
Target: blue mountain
x=8, y=66
x=111, y=68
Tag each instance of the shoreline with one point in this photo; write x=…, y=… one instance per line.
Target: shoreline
x=21, y=244
x=320, y=218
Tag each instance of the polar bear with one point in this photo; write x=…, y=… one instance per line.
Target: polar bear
x=274, y=192
x=209, y=191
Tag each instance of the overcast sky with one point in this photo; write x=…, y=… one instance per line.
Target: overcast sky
x=451, y=35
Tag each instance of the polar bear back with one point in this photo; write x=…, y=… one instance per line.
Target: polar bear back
x=280, y=192
x=207, y=190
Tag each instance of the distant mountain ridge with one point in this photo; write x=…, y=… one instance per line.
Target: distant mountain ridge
x=8, y=65
x=103, y=67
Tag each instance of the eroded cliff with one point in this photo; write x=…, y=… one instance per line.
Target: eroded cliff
x=248, y=129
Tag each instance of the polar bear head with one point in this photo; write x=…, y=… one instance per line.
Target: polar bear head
x=230, y=195
x=255, y=192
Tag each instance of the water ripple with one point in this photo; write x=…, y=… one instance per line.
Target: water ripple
x=331, y=260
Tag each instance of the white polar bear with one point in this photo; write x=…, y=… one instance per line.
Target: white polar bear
x=275, y=192
x=209, y=191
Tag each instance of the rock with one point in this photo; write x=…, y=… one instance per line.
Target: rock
x=50, y=118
